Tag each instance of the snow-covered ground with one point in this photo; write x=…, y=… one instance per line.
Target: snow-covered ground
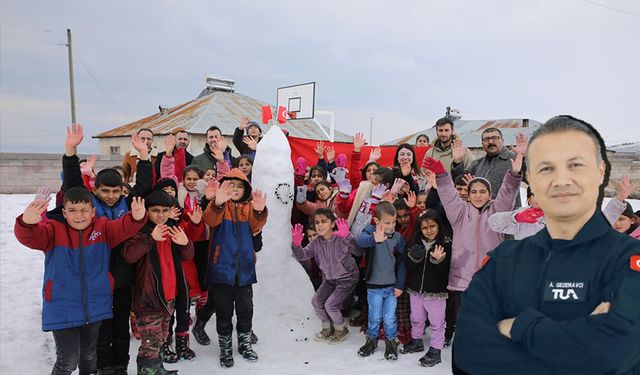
x=286, y=341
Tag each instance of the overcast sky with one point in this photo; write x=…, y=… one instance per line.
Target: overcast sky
x=400, y=62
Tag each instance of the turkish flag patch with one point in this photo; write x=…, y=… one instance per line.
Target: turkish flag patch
x=635, y=262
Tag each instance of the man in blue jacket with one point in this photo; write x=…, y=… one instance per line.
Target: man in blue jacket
x=566, y=300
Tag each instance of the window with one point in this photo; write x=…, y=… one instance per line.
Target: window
x=114, y=150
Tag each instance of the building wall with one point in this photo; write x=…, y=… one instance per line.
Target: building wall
x=24, y=173
x=196, y=144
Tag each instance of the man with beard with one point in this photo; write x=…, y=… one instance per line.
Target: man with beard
x=565, y=300
x=442, y=150
x=493, y=165
x=215, y=150
x=182, y=141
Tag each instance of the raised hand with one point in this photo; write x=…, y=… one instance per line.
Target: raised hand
x=175, y=213
x=258, y=200
x=296, y=235
x=301, y=166
x=170, y=144
x=178, y=236
x=218, y=152
x=211, y=189
x=160, y=232
x=140, y=146
x=250, y=142
x=438, y=253
x=375, y=154
x=301, y=194
x=602, y=308
x=397, y=186
x=625, y=188
x=331, y=154
x=75, y=134
x=433, y=165
x=343, y=228
x=378, y=191
x=379, y=235
x=410, y=200
x=516, y=164
x=223, y=194
x=319, y=149
x=358, y=141
x=196, y=215
x=137, y=208
x=521, y=144
x=43, y=194
x=405, y=169
x=338, y=174
x=458, y=150
x=467, y=178
x=244, y=122
x=91, y=162
x=33, y=213
x=431, y=179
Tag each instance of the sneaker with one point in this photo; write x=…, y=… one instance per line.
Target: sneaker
x=338, y=336
x=430, y=359
x=413, y=346
x=370, y=346
x=324, y=334
x=391, y=349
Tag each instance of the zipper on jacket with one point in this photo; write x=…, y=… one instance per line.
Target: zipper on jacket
x=424, y=268
x=83, y=276
x=237, y=226
x=543, y=270
x=160, y=296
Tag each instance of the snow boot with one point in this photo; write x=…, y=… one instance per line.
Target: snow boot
x=447, y=343
x=182, y=346
x=360, y=319
x=244, y=347
x=226, y=352
x=390, y=349
x=413, y=346
x=168, y=355
x=339, y=335
x=430, y=359
x=325, y=332
x=254, y=338
x=199, y=334
x=153, y=366
x=370, y=346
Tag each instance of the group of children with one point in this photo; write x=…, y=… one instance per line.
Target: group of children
x=400, y=244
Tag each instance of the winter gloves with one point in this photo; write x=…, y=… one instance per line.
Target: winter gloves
x=433, y=165
x=301, y=194
x=530, y=215
x=296, y=235
x=343, y=228
x=301, y=166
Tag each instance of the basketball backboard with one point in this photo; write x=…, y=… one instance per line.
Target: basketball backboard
x=299, y=100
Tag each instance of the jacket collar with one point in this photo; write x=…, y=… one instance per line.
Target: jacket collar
x=505, y=154
x=595, y=227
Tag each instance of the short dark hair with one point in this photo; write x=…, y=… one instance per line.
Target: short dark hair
x=320, y=169
x=181, y=131
x=77, y=194
x=145, y=130
x=385, y=175
x=325, y=183
x=323, y=212
x=366, y=166
x=490, y=130
x=459, y=181
x=400, y=204
x=566, y=123
x=444, y=121
x=212, y=128
x=192, y=168
x=108, y=177
x=158, y=198
x=243, y=157
x=384, y=208
x=422, y=136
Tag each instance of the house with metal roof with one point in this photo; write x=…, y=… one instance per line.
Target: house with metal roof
x=470, y=131
x=218, y=104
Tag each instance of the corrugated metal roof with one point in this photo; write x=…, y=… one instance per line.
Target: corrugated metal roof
x=470, y=131
x=222, y=109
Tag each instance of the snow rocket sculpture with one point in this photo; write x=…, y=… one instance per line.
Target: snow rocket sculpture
x=283, y=293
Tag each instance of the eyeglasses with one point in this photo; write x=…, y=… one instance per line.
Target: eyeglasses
x=491, y=139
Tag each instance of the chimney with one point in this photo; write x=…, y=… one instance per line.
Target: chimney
x=164, y=111
x=219, y=84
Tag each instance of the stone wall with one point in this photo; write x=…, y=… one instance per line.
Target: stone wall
x=24, y=173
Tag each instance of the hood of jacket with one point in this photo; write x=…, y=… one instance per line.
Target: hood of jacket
x=236, y=174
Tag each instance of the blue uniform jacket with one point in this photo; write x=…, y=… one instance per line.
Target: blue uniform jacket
x=551, y=287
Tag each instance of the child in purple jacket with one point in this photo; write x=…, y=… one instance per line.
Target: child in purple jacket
x=334, y=251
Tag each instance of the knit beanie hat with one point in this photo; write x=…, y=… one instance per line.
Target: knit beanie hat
x=164, y=182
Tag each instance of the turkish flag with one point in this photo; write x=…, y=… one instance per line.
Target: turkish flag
x=266, y=114
x=282, y=115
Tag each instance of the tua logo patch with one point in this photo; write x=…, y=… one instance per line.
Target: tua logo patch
x=565, y=291
x=94, y=235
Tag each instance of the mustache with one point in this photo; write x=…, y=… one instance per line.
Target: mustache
x=560, y=191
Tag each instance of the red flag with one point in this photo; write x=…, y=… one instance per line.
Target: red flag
x=266, y=114
x=282, y=115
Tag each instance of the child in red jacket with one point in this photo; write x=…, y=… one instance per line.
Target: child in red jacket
x=156, y=251
x=77, y=292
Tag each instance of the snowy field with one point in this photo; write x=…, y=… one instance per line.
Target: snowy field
x=286, y=340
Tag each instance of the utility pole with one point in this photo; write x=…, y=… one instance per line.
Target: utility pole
x=73, y=96
x=371, y=130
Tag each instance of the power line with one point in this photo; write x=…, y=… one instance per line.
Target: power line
x=99, y=85
x=25, y=27
x=612, y=8
x=31, y=41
